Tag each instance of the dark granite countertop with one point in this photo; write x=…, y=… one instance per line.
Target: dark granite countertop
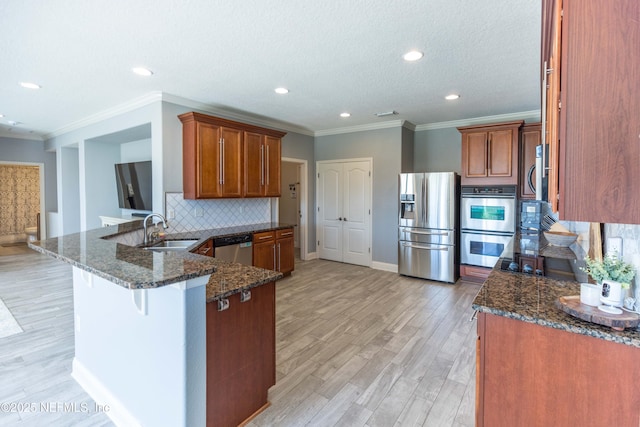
x=530, y=297
x=104, y=253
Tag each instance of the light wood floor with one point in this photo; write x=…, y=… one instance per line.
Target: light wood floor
x=355, y=347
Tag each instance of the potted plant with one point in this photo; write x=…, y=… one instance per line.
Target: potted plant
x=610, y=268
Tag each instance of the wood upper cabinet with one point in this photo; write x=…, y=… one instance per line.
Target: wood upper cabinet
x=262, y=160
x=219, y=158
x=529, y=139
x=490, y=154
x=599, y=108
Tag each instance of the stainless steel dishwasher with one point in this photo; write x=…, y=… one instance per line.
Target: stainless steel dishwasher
x=236, y=248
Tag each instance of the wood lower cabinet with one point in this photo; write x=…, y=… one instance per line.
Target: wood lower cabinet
x=490, y=154
x=530, y=138
x=274, y=250
x=593, y=113
x=473, y=273
x=532, y=375
x=205, y=249
x=241, y=351
x=221, y=158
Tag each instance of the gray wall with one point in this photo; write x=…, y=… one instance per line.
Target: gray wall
x=28, y=151
x=437, y=150
x=298, y=146
x=385, y=147
x=408, y=143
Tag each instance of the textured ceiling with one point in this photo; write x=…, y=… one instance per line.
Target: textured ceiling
x=333, y=56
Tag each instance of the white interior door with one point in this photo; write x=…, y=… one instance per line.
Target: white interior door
x=330, y=211
x=356, y=219
x=344, y=212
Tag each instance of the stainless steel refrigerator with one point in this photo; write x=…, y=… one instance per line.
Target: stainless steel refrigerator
x=429, y=226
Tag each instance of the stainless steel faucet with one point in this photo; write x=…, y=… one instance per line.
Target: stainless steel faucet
x=146, y=235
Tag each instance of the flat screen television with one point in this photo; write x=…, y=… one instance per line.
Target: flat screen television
x=134, y=185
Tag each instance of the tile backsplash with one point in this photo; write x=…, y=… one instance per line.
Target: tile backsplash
x=189, y=215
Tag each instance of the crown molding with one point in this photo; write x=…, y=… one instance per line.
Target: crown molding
x=370, y=126
x=234, y=115
x=131, y=105
x=26, y=136
x=533, y=114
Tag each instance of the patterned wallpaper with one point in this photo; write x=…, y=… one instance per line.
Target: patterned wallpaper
x=191, y=215
x=19, y=198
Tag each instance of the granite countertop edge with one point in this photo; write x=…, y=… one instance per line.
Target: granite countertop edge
x=530, y=299
x=92, y=251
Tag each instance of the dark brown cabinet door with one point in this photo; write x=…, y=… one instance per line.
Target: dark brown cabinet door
x=499, y=153
x=264, y=250
x=529, y=139
x=231, y=163
x=285, y=250
x=254, y=164
x=272, y=166
x=262, y=165
x=207, y=162
x=490, y=154
x=475, y=147
x=600, y=111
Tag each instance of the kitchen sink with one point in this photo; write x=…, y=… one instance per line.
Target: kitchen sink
x=171, y=245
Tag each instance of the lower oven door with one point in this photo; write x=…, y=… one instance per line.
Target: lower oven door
x=427, y=261
x=482, y=249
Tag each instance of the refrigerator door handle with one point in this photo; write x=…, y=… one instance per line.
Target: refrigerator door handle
x=428, y=233
x=429, y=248
x=424, y=200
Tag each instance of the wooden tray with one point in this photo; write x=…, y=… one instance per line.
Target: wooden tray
x=618, y=322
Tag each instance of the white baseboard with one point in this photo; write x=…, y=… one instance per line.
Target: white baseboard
x=312, y=255
x=116, y=411
x=393, y=268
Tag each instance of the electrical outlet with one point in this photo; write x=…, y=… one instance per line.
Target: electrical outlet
x=198, y=212
x=171, y=214
x=614, y=245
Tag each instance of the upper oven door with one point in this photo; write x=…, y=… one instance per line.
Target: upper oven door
x=488, y=213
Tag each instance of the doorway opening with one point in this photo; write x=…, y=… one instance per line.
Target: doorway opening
x=292, y=204
x=22, y=196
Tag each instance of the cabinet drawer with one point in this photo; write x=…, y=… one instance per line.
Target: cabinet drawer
x=287, y=232
x=263, y=236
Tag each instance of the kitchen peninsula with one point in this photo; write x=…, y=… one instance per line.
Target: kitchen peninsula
x=539, y=366
x=169, y=338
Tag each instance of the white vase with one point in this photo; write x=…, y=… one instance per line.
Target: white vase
x=590, y=294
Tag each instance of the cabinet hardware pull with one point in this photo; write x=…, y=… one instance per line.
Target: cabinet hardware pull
x=220, y=161
x=543, y=115
x=265, y=237
x=278, y=256
x=274, y=257
x=222, y=182
x=287, y=234
x=268, y=165
x=262, y=165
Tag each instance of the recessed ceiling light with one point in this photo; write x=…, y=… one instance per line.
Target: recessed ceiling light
x=282, y=90
x=29, y=85
x=345, y=114
x=1, y=115
x=452, y=97
x=141, y=71
x=413, y=55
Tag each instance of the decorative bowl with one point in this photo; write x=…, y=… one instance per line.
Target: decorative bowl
x=560, y=238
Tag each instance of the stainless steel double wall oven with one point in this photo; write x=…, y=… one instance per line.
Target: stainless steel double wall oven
x=487, y=223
